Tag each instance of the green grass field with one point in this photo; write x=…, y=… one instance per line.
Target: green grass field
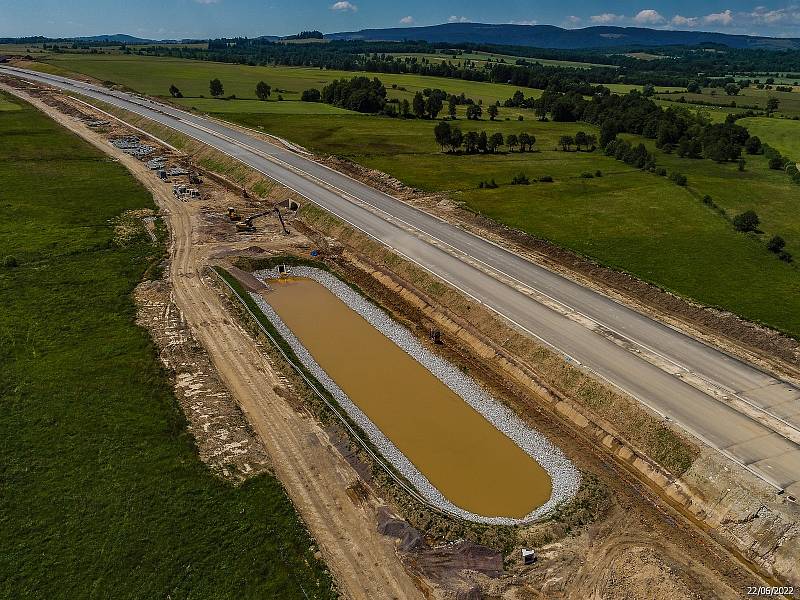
x=633, y=221
x=481, y=58
x=716, y=114
x=7, y=105
x=630, y=220
x=154, y=75
x=789, y=101
x=103, y=495
x=782, y=134
x=272, y=106
x=31, y=49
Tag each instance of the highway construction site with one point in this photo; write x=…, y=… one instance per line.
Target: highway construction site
x=605, y=518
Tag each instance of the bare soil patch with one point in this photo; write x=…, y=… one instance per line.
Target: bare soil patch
x=622, y=543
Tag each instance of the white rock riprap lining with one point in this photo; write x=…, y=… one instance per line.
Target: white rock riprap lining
x=565, y=477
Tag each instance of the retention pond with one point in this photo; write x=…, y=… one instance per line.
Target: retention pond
x=456, y=448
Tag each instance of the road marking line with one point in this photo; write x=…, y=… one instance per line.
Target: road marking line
x=310, y=176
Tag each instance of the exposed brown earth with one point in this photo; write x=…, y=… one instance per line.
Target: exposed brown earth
x=225, y=440
x=636, y=547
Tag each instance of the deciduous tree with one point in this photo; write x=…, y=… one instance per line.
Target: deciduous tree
x=512, y=141
x=495, y=141
x=418, y=105
x=263, y=90
x=215, y=88
x=746, y=221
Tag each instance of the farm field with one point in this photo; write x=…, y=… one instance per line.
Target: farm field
x=103, y=492
x=624, y=88
x=154, y=75
x=770, y=193
x=630, y=220
x=782, y=134
x=483, y=57
x=286, y=107
x=789, y=101
x=22, y=49
x=715, y=113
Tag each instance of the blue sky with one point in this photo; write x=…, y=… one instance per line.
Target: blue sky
x=206, y=18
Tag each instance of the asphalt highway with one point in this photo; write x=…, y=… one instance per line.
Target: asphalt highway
x=744, y=412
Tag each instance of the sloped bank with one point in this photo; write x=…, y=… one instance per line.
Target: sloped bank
x=564, y=476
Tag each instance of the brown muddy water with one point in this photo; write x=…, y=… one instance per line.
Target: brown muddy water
x=463, y=455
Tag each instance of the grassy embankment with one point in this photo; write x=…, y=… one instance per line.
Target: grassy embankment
x=627, y=219
x=103, y=492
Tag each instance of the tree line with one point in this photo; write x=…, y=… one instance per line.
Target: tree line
x=217, y=89
x=451, y=138
x=683, y=65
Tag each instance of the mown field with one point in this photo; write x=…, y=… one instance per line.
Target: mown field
x=789, y=101
x=154, y=75
x=103, y=495
x=482, y=58
x=627, y=219
x=782, y=134
x=715, y=114
x=7, y=105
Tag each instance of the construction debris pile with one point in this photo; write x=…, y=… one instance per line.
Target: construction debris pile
x=156, y=164
x=131, y=144
x=563, y=474
x=184, y=192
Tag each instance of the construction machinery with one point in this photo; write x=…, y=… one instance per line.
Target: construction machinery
x=247, y=224
x=280, y=218
x=233, y=215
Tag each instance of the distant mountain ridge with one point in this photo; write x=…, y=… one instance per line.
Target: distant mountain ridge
x=539, y=36
x=117, y=38
x=550, y=36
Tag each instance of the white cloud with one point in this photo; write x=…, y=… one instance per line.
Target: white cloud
x=648, y=16
x=721, y=18
x=409, y=20
x=207, y=1
x=344, y=5
x=457, y=19
x=606, y=18
x=764, y=16
x=681, y=21
x=572, y=21
x=525, y=22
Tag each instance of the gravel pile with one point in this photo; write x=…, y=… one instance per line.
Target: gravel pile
x=565, y=477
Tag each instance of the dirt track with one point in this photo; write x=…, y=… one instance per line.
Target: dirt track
x=363, y=562
x=620, y=557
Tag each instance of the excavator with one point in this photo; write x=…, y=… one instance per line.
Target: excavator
x=247, y=225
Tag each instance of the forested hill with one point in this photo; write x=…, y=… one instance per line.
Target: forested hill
x=549, y=36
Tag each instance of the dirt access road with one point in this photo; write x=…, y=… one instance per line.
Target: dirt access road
x=363, y=562
x=633, y=552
